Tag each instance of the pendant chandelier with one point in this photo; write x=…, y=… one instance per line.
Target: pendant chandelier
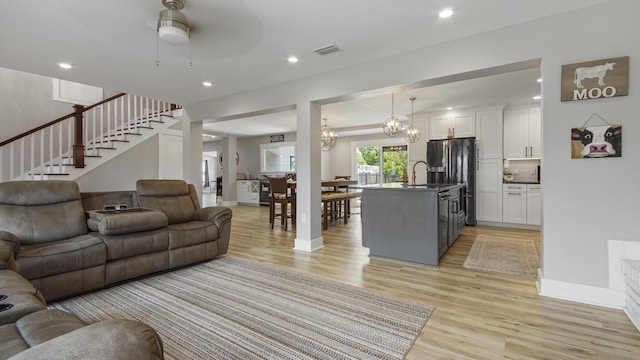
x=392, y=127
x=328, y=136
x=413, y=133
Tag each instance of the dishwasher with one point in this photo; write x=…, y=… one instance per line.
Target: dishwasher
x=451, y=218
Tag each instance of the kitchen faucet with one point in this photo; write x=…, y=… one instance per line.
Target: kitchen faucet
x=414, y=169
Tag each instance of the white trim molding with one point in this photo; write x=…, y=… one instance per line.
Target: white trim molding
x=309, y=245
x=592, y=295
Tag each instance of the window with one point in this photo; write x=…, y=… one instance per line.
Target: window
x=378, y=164
x=279, y=157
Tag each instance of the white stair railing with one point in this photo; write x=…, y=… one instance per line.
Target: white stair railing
x=48, y=150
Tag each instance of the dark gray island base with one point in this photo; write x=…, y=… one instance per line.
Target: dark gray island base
x=412, y=223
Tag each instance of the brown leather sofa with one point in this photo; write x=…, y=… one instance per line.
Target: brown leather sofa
x=62, y=241
x=28, y=330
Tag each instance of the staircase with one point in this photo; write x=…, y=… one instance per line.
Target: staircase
x=77, y=143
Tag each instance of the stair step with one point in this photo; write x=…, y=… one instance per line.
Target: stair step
x=100, y=148
x=47, y=174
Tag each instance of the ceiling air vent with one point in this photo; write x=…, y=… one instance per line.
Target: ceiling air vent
x=326, y=50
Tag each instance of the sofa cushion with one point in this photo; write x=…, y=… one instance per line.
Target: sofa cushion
x=34, y=329
x=41, y=211
x=80, y=252
x=21, y=294
x=135, y=244
x=172, y=197
x=111, y=339
x=191, y=233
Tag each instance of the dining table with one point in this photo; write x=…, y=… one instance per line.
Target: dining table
x=335, y=184
x=331, y=198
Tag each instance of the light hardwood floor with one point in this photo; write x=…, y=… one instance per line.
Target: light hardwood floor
x=479, y=315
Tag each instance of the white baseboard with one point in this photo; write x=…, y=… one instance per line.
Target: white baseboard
x=509, y=225
x=308, y=245
x=611, y=298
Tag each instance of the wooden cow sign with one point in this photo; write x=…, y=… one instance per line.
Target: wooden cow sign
x=595, y=79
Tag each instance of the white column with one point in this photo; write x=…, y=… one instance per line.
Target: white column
x=192, y=153
x=229, y=149
x=308, y=222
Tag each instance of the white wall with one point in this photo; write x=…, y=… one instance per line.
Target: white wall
x=122, y=172
x=26, y=101
x=585, y=202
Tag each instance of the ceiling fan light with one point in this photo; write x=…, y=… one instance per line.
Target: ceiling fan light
x=173, y=27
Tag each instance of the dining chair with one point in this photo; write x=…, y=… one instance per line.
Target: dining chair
x=337, y=207
x=280, y=195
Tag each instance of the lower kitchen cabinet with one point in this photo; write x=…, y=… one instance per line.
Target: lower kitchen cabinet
x=248, y=192
x=534, y=204
x=521, y=204
x=514, y=203
x=489, y=190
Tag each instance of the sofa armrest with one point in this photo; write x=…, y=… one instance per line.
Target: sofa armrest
x=10, y=239
x=110, y=339
x=221, y=217
x=216, y=214
x=9, y=245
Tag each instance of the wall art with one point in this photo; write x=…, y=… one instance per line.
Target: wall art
x=595, y=79
x=588, y=142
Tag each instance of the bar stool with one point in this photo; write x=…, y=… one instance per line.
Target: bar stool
x=280, y=195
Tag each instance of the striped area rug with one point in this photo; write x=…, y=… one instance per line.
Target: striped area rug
x=233, y=308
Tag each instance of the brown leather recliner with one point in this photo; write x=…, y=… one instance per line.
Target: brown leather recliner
x=195, y=233
x=44, y=225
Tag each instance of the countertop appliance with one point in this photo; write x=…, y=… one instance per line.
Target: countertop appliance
x=454, y=162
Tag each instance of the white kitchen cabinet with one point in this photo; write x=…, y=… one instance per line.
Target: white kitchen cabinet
x=534, y=204
x=514, y=203
x=489, y=165
x=522, y=133
x=459, y=124
x=489, y=133
x=489, y=190
x=248, y=191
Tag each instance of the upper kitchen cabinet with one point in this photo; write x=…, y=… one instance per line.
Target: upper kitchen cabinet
x=489, y=133
x=454, y=124
x=522, y=133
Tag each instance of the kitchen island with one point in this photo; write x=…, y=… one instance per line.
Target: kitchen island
x=415, y=223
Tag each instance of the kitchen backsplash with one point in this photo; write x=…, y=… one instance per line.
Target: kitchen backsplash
x=521, y=170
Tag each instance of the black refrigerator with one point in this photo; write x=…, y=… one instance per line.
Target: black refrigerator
x=454, y=162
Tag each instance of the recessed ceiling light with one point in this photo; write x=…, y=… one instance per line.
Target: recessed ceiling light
x=537, y=97
x=292, y=59
x=64, y=66
x=207, y=84
x=539, y=79
x=449, y=108
x=445, y=13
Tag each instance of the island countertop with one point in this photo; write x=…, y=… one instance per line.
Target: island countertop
x=419, y=187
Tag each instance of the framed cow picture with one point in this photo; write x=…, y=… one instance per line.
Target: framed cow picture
x=596, y=142
x=595, y=79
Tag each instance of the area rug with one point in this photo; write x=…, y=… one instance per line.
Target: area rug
x=233, y=308
x=508, y=256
